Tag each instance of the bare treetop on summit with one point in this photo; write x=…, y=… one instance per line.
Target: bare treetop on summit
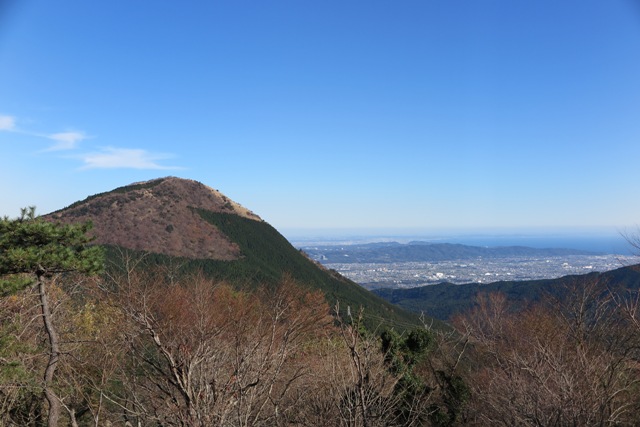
x=158, y=216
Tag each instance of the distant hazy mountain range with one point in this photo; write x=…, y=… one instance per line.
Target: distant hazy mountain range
x=388, y=252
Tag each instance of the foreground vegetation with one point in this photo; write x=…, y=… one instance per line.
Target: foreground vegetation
x=141, y=348
x=145, y=346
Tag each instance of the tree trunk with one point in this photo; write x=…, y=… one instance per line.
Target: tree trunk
x=54, y=354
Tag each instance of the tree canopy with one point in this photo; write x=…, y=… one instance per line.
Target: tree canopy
x=31, y=247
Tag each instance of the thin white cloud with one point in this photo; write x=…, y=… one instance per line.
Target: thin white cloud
x=7, y=123
x=63, y=140
x=124, y=158
x=66, y=140
x=104, y=158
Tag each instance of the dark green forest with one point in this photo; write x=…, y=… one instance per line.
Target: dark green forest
x=267, y=257
x=445, y=300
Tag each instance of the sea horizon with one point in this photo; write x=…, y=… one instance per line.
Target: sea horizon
x=606, y=240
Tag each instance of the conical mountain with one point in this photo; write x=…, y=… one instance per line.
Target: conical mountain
x=173, y=218
x=159, y=216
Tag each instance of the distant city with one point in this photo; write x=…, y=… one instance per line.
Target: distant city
x=412, y=274
x=349, y=258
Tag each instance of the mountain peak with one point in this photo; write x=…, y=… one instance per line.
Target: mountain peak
x=159, y=216
x=183, y=218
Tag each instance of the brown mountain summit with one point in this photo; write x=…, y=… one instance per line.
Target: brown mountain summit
x=158, y=216
x=184, y=218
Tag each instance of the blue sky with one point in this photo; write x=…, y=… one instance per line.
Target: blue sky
x=331, y=114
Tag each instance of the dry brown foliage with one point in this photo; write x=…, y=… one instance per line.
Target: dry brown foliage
x=573, y=362
x=205, y=354
x=159, y=219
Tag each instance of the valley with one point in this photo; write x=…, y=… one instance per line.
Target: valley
x=412, y=274
x=458, y=264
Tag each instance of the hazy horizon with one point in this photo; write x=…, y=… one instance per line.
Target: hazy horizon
x=597, y=239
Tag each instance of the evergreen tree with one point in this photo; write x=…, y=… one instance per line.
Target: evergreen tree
x=31, y=251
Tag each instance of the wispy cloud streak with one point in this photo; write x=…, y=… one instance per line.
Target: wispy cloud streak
x=66, y=140
x=103, y=158
x=124, y=158
x=7, y=123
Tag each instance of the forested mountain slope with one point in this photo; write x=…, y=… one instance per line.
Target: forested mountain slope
x=445, y=300
x=183, y=222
